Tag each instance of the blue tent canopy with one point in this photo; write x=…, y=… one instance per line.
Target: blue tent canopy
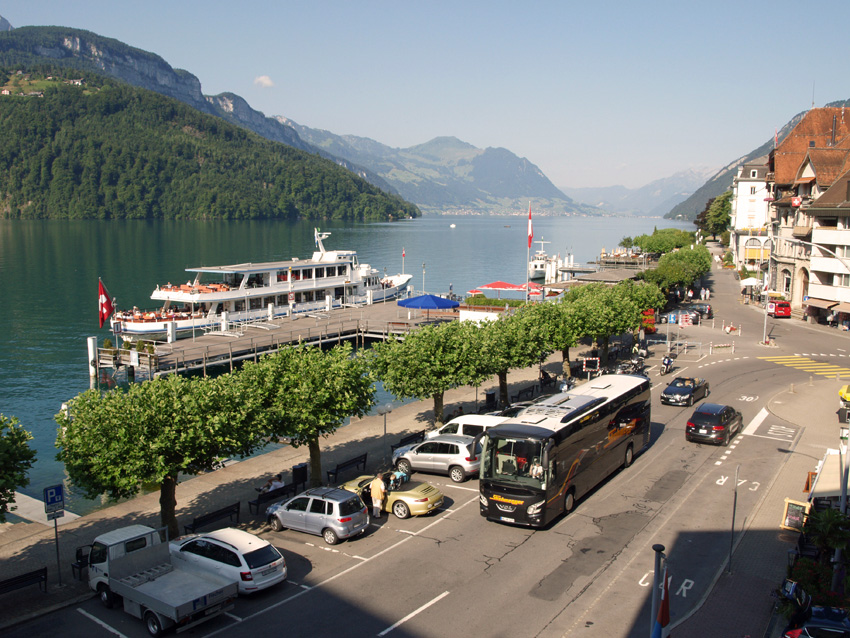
x=428, y=302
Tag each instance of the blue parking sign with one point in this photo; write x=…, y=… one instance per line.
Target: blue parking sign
x=54, y=498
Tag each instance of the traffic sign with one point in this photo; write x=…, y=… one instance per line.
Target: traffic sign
x=54, y=515
x=54, y=498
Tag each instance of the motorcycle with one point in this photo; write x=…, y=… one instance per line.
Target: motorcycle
x=666, y=366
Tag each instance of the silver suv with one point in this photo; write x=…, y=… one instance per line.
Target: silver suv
x=445, y=454
x=331, y=513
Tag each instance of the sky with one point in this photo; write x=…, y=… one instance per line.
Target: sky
x=593, y=93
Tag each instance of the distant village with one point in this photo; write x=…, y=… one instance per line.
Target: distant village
x=13, y=87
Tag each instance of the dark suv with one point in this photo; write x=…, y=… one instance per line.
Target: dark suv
x=704, y=309
x=714, y=423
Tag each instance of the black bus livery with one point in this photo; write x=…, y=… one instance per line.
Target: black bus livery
x=536, y=465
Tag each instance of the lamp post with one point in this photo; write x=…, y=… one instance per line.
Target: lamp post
x=423, y=277
x=384, y=410
x=842, y=504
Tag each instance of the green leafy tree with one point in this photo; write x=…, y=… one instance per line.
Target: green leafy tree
x=627, y=242
x=156, y=431
x=514, y=341
x=664, y=240
x=16, y=458
x=718, y=215
x=431, y=361
x=306, y=393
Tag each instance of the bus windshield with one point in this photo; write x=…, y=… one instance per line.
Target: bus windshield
x=517, y=461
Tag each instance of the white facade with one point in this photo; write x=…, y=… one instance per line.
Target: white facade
x=749, y=239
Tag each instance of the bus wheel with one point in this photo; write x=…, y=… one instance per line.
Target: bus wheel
x=569, y=501
x=630, y=455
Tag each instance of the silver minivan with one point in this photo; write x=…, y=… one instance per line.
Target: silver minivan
x=444, y=454
x=329, y=512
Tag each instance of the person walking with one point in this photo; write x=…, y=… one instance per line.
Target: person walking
x=707, y=294
x=378, y=490
x=690, y=294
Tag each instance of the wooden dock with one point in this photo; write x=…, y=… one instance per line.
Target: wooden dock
x=249, y=341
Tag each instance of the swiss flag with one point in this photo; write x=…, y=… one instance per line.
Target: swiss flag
x=104, y=303
x=530, y=231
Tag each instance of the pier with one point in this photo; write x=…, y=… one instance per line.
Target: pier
x=248, y=341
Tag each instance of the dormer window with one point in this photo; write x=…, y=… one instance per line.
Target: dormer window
x=754, y=173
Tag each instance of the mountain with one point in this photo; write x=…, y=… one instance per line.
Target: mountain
x=80, y=145
x=447, y=174
x=443, y=174
x=652, y=200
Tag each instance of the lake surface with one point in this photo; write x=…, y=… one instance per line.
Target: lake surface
x=49, y=272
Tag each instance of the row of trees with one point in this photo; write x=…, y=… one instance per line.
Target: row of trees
x=16, y=459
x=660, y=241
x=155, y=432
x=112, y=151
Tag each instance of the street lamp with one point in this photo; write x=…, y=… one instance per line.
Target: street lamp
x=385, y=410
x=423, y=277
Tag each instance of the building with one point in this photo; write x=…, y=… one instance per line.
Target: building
x=802, y=169
x=749, y=238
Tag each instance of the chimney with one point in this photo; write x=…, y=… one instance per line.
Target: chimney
x=834, y=120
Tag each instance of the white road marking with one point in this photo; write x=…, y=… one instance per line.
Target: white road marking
x=756, y=422
x=234, y=616
x=414, y=613
x=101, y=623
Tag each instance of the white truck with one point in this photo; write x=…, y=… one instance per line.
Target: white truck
x=131, y=564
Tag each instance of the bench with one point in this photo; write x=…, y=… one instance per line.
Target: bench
x=525, y=394
x=357, y=461
x=416, y=437
x=39, y=577
x=272, y=495
x=206, y=519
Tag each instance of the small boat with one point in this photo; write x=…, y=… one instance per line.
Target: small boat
x=249, y=292
x=452, y=226
x=538, y=261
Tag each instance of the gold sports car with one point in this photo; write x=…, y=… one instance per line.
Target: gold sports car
x=409, y=498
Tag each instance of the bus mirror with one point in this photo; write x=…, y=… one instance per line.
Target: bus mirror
x=473, y=454
x=546, y=451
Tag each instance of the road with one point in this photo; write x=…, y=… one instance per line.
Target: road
x=453, y=573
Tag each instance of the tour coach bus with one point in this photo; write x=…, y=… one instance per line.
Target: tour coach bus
x=535, y=466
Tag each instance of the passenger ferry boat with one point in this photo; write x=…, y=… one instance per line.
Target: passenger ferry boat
x=538, y=261
x=260, y=292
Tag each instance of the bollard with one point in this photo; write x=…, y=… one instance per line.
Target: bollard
x=710, y=346
x=733, y=347
x=791, y=391
x=811, y=380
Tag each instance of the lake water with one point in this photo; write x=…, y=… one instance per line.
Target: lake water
x=49, y=272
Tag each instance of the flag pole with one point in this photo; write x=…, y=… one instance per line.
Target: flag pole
x=528, y=253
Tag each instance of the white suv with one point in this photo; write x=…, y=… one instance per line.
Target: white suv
x=468, y=425
x=445, y=454
x=249, y=560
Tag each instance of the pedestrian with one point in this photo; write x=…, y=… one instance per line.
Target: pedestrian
x=678, y=295
x=690, y=294
x=707, y=294
x=378, y=490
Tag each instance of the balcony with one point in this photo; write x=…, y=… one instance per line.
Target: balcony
x=801, y=232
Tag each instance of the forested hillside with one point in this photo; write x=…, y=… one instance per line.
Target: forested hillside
x=111, y=151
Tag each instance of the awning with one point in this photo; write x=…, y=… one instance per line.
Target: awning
x=828, y=483
x=804, y=180
x=826, y=304
x=842, y=307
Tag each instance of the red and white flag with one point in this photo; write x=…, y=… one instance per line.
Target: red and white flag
x=402, y=252
x=530, y=231
x=104, y=303
x=663, y=617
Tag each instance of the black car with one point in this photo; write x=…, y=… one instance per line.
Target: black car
x=704, y=309
x=685, y=391
x=714, y=423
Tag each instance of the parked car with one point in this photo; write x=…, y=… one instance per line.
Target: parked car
x=447, y=454
x=714, y=423
x=779, y=308
x=329, y=512
x=673, y=316
x=468, y=425
x=813, y=621
x=410, y=498
x=704, y=309
x=684, y=391
x=252, y=562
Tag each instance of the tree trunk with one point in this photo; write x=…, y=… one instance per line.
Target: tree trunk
x=565, y=355
x=315, y=463
x=168, y=506
x=503, y=387
x=438, y=409
x=603, y=357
